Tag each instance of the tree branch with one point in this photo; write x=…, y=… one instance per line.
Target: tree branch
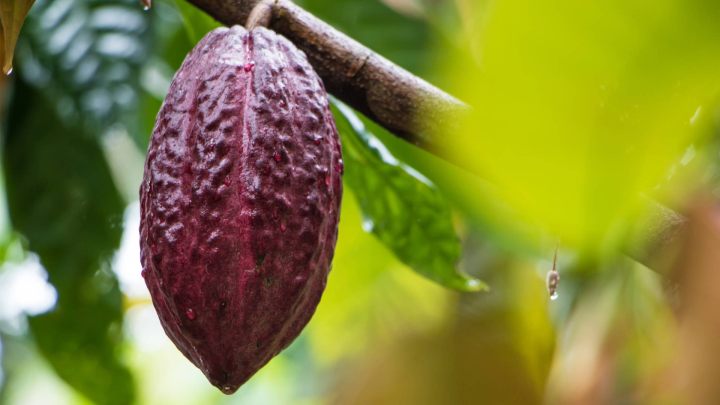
x=406, y=105
x=389, y=95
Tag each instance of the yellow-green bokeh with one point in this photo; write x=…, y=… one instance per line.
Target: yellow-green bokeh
x=580, y=107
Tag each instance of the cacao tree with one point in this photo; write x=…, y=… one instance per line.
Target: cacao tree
x=523, y=182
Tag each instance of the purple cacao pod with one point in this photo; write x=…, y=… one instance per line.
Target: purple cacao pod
x=240, y=202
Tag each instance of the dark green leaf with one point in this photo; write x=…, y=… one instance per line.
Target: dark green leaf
x=85, y=56
x=400, y=206
x=61, y=197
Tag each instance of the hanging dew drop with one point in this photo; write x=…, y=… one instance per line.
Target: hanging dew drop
x=552, y=281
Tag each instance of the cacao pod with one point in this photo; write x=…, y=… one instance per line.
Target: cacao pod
x=240, y=202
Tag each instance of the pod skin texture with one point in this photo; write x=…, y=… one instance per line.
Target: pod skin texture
x=240, y=202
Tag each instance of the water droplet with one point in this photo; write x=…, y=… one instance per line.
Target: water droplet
x=227, y=389
x=553, y=284
x=190, y=314
x=146, y=4
x=327, y=180
x=283, y=227
x=317, y=140
x=276, y=156
x=9, y=71
x=340, y=166
x=249, y=66
x=368, y=225
x=143, y=273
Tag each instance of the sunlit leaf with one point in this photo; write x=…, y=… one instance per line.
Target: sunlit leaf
x=400, y=206
x=62, y=199
x=12, y=16
x=582, y=106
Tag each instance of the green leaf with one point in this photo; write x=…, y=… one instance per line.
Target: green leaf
x=400, y=206
x=197, y=23
x=580, y=108
x=86, y=56
x=62, y=199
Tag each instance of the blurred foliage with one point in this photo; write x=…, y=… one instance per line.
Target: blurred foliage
x=61, y=197
x=581, y=107
x=400, y=206
x=496, y=348
x=84, y=56
x=371, y=296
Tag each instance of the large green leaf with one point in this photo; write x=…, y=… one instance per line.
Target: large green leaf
x=583, y=107
x=85, y=56
x=400, y=206
x=61, y=197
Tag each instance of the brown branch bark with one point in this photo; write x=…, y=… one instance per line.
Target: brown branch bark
x=389, y=95
x=406, y=105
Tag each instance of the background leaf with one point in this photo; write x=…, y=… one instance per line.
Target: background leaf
x=582, y=107
x=86, y=56
x=61, y=197
x=400, y=206
x=176, y=27
x=196, y=22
